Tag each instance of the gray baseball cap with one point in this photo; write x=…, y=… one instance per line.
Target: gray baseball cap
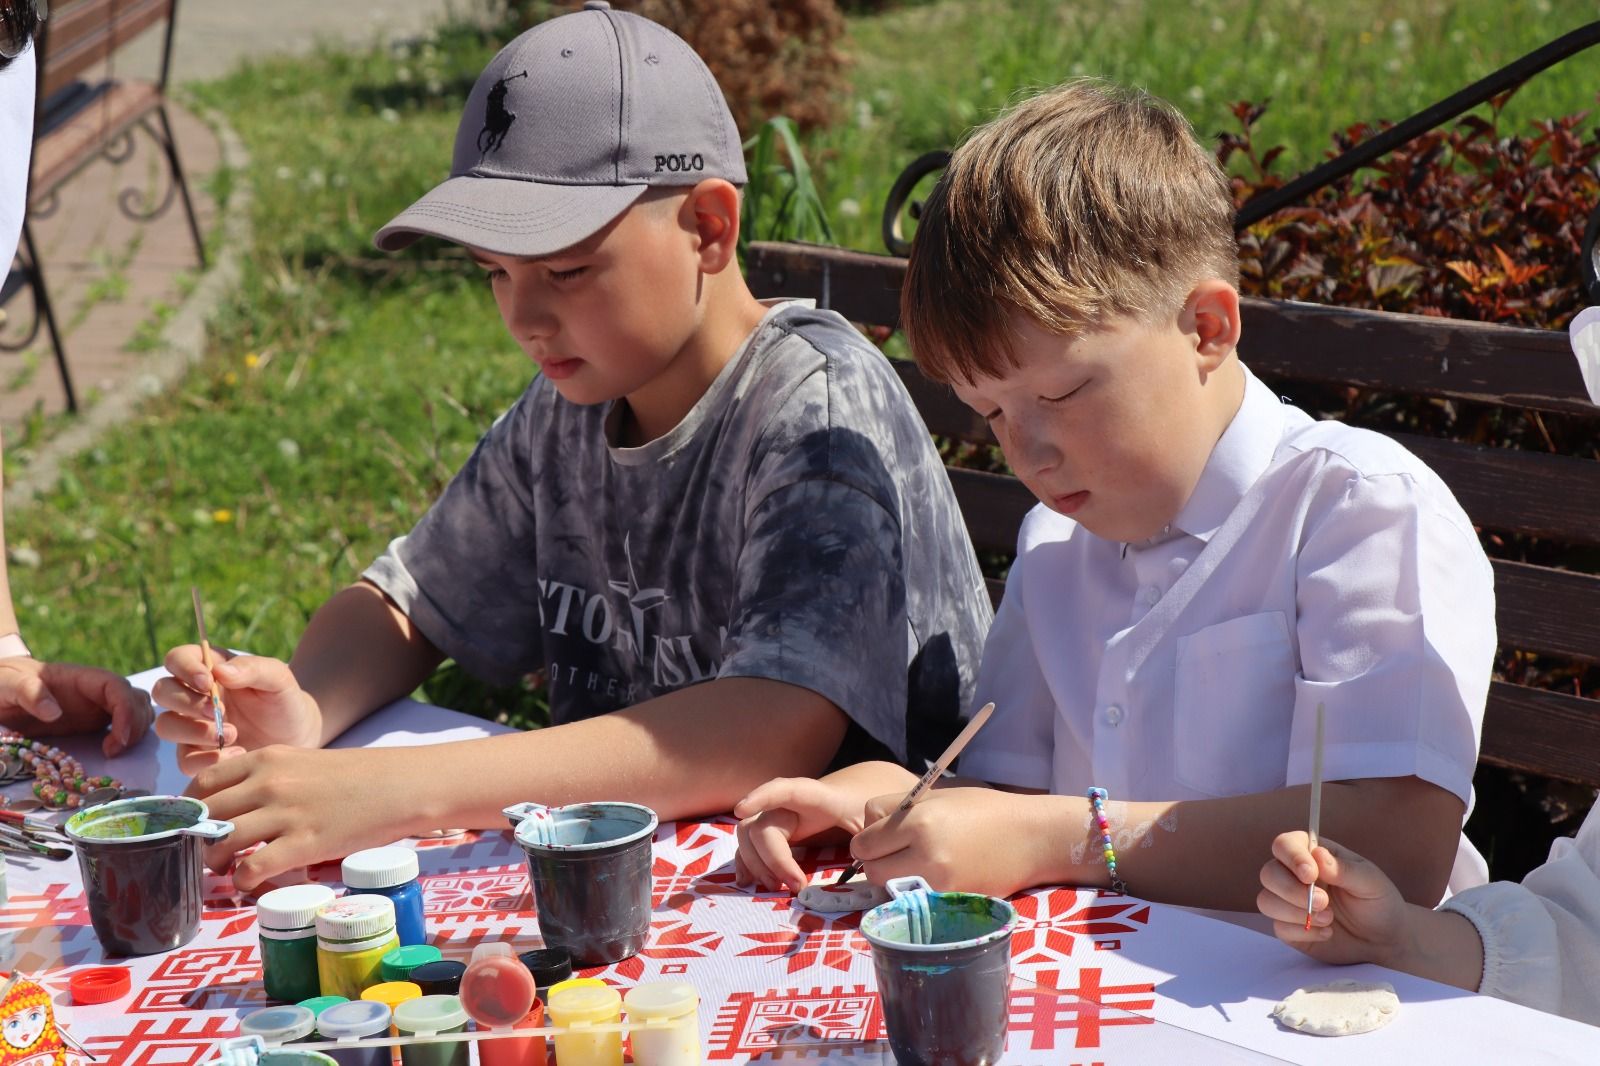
x=566, y=128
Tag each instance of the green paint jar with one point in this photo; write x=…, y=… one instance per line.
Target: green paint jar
x=317, y=1004
x=427, y=1016
x=398, y=964
x=286, y=919
x=353, y=935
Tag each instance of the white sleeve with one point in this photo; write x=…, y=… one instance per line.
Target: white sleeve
x=1541, y=939
x=1395, y=605
x=1017, y=746
x=16, y=144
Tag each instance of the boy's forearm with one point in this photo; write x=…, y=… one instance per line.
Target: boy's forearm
x=359, y=653
x=1205, y=853
x=1441, y=946
x=692, y=752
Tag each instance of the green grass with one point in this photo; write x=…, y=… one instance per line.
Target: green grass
x=344, y=387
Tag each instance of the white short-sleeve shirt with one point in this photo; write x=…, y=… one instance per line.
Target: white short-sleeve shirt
x=16, y=144
x=1314, y=563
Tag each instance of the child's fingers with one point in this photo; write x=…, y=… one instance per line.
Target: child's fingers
x=187, y=731
x=1338, y=865
x=1283, y=882
x=193, y=758
x=1295, y=932
x=26, y=689
x=187, y=663
x=1280, y=909
x=769, y=840
x=759, y=872
x=179, y=698
x=1293, y=851
x=256, y=672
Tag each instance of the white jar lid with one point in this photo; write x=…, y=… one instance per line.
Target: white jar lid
x=380, y=868
x=358, y=1017
x=661, y=999
x=294, y=907
x=355, y=917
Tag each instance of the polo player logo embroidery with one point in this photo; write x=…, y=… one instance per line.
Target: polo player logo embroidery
x=497, y=119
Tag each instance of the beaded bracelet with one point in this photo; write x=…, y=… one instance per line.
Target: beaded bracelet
x=1097, y=800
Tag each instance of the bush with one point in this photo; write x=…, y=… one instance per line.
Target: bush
x=771, y=57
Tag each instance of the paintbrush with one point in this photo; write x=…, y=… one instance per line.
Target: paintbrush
x=205, y=651
x=1316, y=810
x=934, y=773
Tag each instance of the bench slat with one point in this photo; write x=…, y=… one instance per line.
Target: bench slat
x=1542, y=732
x=77, y=140
x=79, y=35
x=1415, y=354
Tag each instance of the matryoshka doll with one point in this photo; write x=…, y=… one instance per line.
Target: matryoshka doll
x=28, y=1032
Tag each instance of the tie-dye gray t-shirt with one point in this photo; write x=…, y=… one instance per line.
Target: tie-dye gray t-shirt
x=796, y=525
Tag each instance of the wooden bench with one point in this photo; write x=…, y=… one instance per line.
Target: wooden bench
x=1549, y=612
x=79, y=117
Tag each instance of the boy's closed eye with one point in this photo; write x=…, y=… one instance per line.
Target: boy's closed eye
x=991, y=416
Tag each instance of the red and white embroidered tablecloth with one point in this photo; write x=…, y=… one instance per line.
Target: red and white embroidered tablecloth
x=1097, y=979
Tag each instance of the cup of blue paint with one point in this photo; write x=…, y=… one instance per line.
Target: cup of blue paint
x=590, y=868
x=943, y=962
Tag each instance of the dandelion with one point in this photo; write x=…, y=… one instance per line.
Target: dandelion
x=222, y=516
x=389, y=114
x=284, y=173
x=1218, y=24
x=252, y=360
x=288, y=448
x=849, y=208
x=230, y=378
x=1197, y=94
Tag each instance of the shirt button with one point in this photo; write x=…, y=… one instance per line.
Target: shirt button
x=1152, y=596
x=1179, y=565
x=1114, y=715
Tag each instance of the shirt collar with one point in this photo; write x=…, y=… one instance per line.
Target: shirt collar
x=1241, y=455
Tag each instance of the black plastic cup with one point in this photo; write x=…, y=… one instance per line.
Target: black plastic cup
x=141, y=862
x=943, y=962
x=590, y=868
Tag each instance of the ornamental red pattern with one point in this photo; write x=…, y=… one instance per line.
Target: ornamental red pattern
x=171, y=1041
x=202, y=979
x=780, y=1018
x=1049, y=924
x=815, y=940
x=1046, y=1012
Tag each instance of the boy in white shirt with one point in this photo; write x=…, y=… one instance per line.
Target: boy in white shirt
x=1207, y=566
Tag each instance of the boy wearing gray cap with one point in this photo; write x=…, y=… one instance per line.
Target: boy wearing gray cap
x=718, y=526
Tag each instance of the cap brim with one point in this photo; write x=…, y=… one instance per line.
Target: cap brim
x=507, y=216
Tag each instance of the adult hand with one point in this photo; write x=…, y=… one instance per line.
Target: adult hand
x=1358, y=915
x=54, y=699
x=262, y=699
x=306, y=806
x=781, y=812
x=964, y=839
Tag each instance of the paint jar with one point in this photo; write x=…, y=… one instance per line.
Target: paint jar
x=497, y=991
x=425, y=1017
x=669, y=1012
x=579, y=1002
x=392, y=993
x=391, y=872
x=398, y=964
x=515, y=1051
x=442, y=978
x=278, y=1025
x=353, y=936
x=943, y=962
x=590, y=868
x=141, y=864
x=355, y=1021
x=290, y=1057
x=287, y=921
x=317, y=1004
x=549, y=966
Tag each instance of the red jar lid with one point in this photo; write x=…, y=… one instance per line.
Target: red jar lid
x=100, y=984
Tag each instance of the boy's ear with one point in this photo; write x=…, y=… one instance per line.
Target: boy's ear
x=713, y=210
x=1213, y=310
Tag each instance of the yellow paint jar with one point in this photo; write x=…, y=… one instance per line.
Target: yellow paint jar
x=354, y=933
x=585, y=1000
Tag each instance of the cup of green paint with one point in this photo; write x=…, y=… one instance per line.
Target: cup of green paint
x=943, y=962
x=141, y=863
x=590, y=868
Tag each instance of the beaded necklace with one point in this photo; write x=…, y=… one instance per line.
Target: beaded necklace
x=59, y=779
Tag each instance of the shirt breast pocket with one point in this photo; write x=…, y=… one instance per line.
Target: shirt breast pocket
x=1233, y=705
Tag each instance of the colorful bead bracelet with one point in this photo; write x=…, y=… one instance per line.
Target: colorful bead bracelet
x=1097, y=801
x=59, y=779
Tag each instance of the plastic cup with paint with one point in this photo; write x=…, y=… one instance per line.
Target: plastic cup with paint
x=141, y=864
x=579, y=1002
x=665, y=1020
x=943, y=963
x=429, y=1016
x=278, y=1025
x=517, y=1051
x=549, y=966
x=442, y=978
x=590, y=868
x=398, y=964
x=352, y=1022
